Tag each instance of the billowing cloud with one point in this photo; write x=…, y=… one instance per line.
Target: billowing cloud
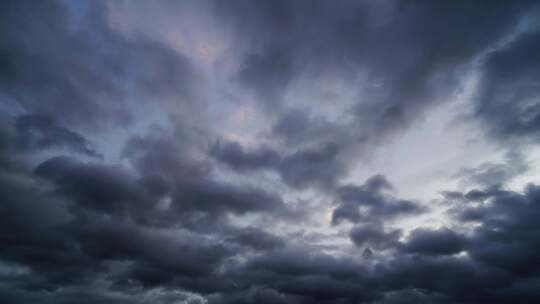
x=435, y=242
x=320, y=167
x=509, y=89
x=370, y=202
x=245, y=152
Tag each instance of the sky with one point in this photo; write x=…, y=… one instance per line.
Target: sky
x=288, y=152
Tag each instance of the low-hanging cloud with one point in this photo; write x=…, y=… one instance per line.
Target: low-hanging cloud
x=244, y=152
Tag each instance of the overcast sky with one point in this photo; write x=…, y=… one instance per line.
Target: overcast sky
x=295, y=152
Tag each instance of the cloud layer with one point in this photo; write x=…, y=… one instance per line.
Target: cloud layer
x=269, y=152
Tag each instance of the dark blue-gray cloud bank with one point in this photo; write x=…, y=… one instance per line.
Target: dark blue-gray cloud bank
x=140, y=165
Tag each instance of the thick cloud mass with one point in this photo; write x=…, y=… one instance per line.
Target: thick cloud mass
x=437, y=242
x=295, y=152
x=377, y=205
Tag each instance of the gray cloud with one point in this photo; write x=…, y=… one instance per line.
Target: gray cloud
x=415, y=61
x=79, y=67
x=114, y=189
x=370, y=202
x=508, y=97
x=318, y=167
x=234, y=155
x=491, y=174
x=374, y=237
x=435, y=242
x=40, y=132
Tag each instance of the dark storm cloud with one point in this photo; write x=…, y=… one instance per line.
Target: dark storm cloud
x=70, y=236
x=234, y=155
x=411, y=297
x=268, y=73
x=374, y=236
x=415, y=49
x=158, y=255
x=160, y=155
x=97, y=296
x=429, y=275
x=113, y=191
x=320, y=167
x=370, y=202
x=256, y=238
x=40, y=131
x=310, y=277
x=25, y=135
x=509, y=89
x=262, y=295
x=508, y=234
x=195, y=198
x=206, y=199
x=476, y=195
x=435, y=242
x=297, y=261
x=297, y=127
x=493, y=174
x=317, y=167
x=64, y=244
x=162, y=224
x=102, y=188
x=70, y=247
x=68, y=223
x=63, y=60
